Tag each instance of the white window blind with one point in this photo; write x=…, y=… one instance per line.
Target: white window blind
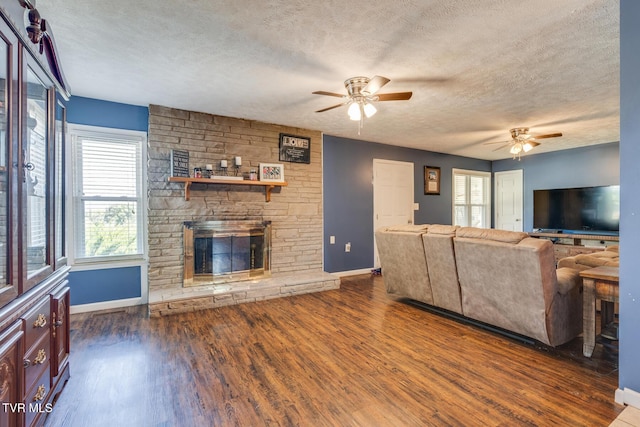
x=107, y=194
x=471, y=198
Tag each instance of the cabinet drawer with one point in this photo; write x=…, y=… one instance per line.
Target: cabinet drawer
x=37, y=322
x=36, y=399
x=36, y=361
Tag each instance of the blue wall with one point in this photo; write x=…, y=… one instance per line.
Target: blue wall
x=630, y=202
x=100, y=285
x=93, y=112
x=91, y=286
x=348, y=195
x=580, y=167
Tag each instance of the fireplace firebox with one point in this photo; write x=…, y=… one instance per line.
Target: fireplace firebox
x=226, y=251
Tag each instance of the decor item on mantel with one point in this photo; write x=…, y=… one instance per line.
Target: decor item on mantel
x=179, y=163
x=222, y=173
x=271, y=172
x=238, y=162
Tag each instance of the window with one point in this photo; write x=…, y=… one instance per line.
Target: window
x=471, y=198
x=107, y=193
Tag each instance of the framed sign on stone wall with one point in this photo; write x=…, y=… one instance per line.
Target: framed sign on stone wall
x=295, y=149
x=180, y=163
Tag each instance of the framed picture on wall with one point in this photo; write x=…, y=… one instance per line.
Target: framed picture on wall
x=432, y=180
x=296, y=149
x=273, y=172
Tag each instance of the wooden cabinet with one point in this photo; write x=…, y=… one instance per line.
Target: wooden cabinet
x=11, y=351
x=60, y=332
x=34, y=296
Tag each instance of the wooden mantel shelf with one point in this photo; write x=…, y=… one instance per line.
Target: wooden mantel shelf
x=268, y=186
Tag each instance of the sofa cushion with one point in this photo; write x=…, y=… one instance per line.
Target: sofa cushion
x=597, y=259
x=503, y=236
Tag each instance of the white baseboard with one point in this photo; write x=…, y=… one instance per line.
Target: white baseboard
x=627, y=396
x=353, y=272
x=107, y=305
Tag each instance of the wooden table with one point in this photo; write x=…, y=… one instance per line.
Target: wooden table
x=598, y=283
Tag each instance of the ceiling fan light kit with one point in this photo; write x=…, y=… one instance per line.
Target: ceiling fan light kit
x=361, y=94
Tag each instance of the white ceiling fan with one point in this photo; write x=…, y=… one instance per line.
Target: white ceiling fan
x=522, y=141
x=361, y=95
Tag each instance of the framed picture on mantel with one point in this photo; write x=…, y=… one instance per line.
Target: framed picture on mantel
x=273, y=172
x=432, y=180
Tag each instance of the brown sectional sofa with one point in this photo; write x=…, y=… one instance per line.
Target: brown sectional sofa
x=501, y=278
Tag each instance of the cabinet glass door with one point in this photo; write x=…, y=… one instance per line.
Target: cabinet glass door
x=60, y=129
x=35, y=175
x=7, y=290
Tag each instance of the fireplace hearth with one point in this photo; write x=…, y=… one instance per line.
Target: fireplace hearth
x=217, y=252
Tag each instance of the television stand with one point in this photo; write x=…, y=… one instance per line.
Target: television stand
x=570, y=244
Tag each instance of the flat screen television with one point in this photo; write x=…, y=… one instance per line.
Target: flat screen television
x=590, y=210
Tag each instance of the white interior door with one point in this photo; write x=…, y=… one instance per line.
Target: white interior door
x=392, y=196
x=508, y=209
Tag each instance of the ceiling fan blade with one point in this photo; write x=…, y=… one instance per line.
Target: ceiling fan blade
x=397, y=96
x=497, y=142
x=533, y=143
x=330, y=108
x=502, y=146
x=322, y=92
x=374, y=85
x=550, y=135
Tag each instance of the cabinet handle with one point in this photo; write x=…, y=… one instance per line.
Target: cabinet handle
x=41, y=357
x=58, y=323
x=42, y=390
x=29, y=166
x=26, y=363
x=41, y=321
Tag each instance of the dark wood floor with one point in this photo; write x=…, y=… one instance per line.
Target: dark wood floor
x=350, y=357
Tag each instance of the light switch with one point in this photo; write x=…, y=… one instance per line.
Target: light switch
x=332, y=240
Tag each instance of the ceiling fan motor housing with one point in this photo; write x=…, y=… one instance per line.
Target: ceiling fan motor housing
x=355, y=85
x=516, y=132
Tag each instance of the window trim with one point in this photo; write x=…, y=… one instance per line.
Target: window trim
x=75, y=131
x=488, y=190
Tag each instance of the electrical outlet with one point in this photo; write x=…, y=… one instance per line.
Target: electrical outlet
x=347, y=247
x=332, y=240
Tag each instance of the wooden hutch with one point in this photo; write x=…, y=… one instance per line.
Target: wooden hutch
x=34, y=296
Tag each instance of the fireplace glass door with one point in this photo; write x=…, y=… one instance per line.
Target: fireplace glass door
x=225, y=251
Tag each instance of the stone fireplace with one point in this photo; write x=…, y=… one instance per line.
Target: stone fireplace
x=222, y=269
x=226, y=251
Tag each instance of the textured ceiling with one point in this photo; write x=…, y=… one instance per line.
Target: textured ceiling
x=476, y=67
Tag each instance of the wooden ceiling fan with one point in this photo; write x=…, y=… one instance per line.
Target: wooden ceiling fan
x=522, y=141
x=362, y=93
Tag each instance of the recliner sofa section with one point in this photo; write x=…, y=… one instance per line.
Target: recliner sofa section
x=508, y=279
x=441, y=264
x=501, y=278
x=402, y=257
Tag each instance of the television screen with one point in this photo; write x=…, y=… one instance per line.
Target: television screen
x=588, y=209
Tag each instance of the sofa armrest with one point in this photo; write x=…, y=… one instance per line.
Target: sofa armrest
x=568, y=278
